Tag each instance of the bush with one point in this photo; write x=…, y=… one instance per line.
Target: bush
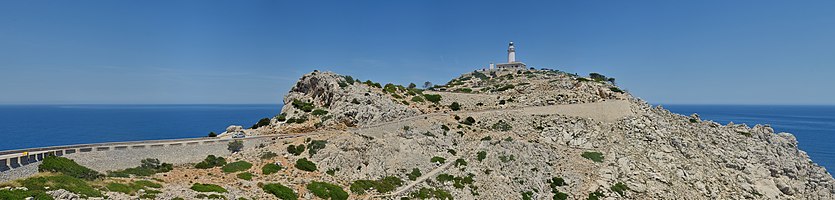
x=417, y=99
x=505, y=158
x=246, y=176
x=455, y=106
x=414, y=174
x=469, y=121
x=270, y=168
x=434, y=98
x=488, y=138
x=235, y=146
x=295, y=150
x=619, y=188
x=349, y=80
x=386, y=184
x=212, y=134
x=210, y=162
x=501, y=126
x=208, y=188
x=148, y=167
x=425, y=193
x=304, y=106
x=615, y=89
x=457, y=182
x=327, y=191
x=315, y=146
x=280, y=191
x=268, y=155
x=67, y=167
x=281, y=117
x=118, y=187
x=260, y=123
x=594, y=156
x=438, y=160
x=306, y=165
x=319, y=112
x=527, y=195
x=481, y=156
x=460, y=162
x=66, y=182
x=236, y=166
x=23, y=194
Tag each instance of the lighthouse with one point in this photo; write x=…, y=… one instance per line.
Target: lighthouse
x=511, y=53
x=512, y=63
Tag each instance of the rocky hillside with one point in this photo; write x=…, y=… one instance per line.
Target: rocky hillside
x=496, y=134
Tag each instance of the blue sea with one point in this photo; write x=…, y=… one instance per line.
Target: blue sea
x=26, y=126
x=813, y=126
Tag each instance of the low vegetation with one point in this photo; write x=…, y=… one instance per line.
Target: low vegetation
x=455, y=106
x=208, y=188
x=427, y=193
x=295, y=150
x=457, y=181
x=235, y=146
x=67, y=167
x=315, y=146
x=384, y=185
x=319, y=112
x=236, y=166
x=75, y=185
x=149, y=166
x=414, y=174
x=593, y=155
x=501, y=126
x=305, y=165
x=267, y=155
x=245, y=176
x=211, y=161
x=434, y=98
x=437, y=159
x=555, y=183
x=270, y=168
x=280, y=191
x=619, y=188
x=481, y=155
x=327, y=191
x=261, y=123
x=301, y=105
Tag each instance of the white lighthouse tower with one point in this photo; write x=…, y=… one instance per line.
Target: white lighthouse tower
x=511, y=53
x=511, y=59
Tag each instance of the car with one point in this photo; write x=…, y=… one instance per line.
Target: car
x=238, y=135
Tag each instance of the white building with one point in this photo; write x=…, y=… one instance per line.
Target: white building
x=511, y=60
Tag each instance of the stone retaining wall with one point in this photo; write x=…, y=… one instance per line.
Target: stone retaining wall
x=121, y=158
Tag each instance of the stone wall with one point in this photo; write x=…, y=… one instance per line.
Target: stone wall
x=117, y=159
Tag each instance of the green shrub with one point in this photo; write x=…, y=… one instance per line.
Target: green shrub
x=245, y=175
x=457, y=182
x=210, y=162
x=434, y=98
x=212, y=134
x=236, y=166
x=260, y=123
x=349, y=80
x=386, y=184
x=146, y=183
x=327, y=191
x=208, y=188
x=501, y=126
x=149, y=166
x=209, y=196
x=235, y=146
x=118, y=187
x=332, y=171
x=437, y=159
x=425, y=193
x=268, y=155
x=460, y=162
x=619, y=188
x=295, y=150
x=304, y=106
x=281, y=117
x=417, y=99
x=280, y=191
x=414, y=174
x=488, y=138
x=319, y=112
x=506, y=87
x=315, y=146
x=616, y=89
x=23, y=194
x=306, y=165
x=469, y=121
x=593, y=155
x=481, y=156
x=505, y=158
x=67, y=167
x=270, y=168
x=66, y=182
x=595, y=195
x=527, y=195
x=455, y=106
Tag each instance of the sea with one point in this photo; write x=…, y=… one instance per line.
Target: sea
x=28, y=126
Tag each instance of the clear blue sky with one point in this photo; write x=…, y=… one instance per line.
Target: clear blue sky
x=152, y=52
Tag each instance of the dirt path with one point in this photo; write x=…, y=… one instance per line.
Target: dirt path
x=420, y=179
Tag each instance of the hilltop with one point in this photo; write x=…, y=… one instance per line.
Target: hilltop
x=494, y=134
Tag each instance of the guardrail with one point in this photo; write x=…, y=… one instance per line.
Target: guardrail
x=10, y=159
